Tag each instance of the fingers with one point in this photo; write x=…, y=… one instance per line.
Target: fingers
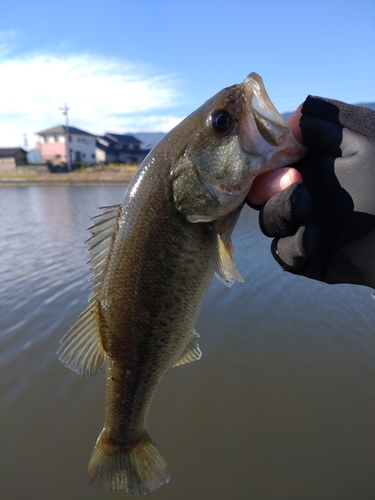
x=293, y=251
x=283, y=213
x=271, y=183
x=286, y=206
x=284, y=218
x=293, y=124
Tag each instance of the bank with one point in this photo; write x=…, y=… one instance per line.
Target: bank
x=108, y=175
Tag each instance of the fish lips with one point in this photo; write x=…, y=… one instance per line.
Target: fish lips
x=263, y=130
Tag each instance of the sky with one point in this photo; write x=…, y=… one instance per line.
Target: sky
x=143, y=65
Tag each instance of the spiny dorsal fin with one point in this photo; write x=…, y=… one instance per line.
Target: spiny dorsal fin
x=81, y=348
x=222, y=258
x=100, y=241
x=191, y=351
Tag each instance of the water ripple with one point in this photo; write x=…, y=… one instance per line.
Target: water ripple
x=281, y=404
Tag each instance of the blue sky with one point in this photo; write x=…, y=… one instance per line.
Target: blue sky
x=143, y=65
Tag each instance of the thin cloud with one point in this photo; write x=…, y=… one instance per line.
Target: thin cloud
x=150, y=123
x=102, y=94
x=6, y=41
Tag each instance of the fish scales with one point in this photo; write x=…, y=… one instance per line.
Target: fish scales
x=169, y=263
x=153, y=259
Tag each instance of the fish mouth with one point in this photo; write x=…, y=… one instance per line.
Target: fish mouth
x=229, y=191
x=227, y=188
x=263, y=130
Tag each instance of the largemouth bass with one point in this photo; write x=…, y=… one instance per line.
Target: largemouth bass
x=153, y=259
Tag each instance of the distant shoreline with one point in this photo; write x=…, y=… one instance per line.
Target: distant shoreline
x=118, y=175
x=57, y=182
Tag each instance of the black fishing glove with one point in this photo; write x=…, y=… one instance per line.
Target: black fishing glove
x=325, y=228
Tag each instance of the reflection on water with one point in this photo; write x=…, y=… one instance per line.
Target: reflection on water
x=281, y=406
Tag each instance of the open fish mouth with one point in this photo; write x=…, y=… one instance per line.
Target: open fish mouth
x=264, y=135
x=263, y=129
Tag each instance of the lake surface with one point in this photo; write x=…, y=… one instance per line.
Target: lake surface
x=281, y=405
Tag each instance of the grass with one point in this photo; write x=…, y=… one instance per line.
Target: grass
x=114, y=172
x=18, y=176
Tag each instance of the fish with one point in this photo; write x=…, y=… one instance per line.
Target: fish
x=153, y=259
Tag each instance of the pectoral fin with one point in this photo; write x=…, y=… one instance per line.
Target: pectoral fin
x=222, y=259
x=191, y=351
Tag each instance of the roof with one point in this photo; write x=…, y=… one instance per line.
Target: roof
x=62, y=129
x=115, y=151
x=6, y=152
x=106, y=141
x=122, y=138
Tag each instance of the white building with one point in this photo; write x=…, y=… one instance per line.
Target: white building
x=54, y=143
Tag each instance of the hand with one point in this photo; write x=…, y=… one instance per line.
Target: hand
x=327, y=231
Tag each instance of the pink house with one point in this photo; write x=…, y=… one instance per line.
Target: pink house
x=54, y=142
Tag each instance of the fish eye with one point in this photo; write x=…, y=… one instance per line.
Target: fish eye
x=221, y=121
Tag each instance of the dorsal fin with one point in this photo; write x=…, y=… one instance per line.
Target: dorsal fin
x=99, y=242
x=81, y=348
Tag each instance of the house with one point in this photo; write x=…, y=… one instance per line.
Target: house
x=119, y=148
x=10, y=158
x=56, y=141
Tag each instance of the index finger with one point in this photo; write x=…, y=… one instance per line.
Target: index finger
x=293, y=124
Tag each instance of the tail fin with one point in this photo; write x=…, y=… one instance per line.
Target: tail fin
x=139, y=469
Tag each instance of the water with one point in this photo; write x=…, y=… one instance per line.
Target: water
x=281, y=406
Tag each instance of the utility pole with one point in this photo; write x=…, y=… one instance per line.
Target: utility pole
x=65, y=111
x=25, y=143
